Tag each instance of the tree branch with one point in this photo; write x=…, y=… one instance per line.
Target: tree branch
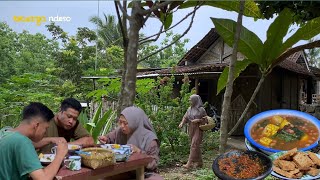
x=155, y=39
x=184, y=33
x=290, y=51
x=154, y=7
x=170, y=27
x=124, y=12
x=123, y=31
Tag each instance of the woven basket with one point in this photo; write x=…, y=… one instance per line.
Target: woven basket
x=211, y=124
x=99, y=157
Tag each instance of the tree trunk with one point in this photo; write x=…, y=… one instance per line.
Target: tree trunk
x=229, y=87
x=124, y=31
x=128, y=88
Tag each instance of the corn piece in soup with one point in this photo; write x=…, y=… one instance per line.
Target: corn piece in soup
x=265, y=141
x=270, y=130
x=284, y=132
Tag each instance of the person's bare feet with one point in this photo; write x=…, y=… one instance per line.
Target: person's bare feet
x=198, y=164
x=188, y=165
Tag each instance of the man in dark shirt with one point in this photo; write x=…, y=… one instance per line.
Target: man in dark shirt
x=65, y=125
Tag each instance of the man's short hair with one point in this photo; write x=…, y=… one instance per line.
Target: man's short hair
x=36, y=109
x=70, y=103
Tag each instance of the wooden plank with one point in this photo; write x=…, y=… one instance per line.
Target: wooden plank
x=135, y=162
x=140, y=173
x=294, y=93
x=276, y=91
x=286, y=91
x=265, y=95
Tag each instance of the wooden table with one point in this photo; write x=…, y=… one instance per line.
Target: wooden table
x=136, y=162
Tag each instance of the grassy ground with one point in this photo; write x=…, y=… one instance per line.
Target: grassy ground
x=177, y=172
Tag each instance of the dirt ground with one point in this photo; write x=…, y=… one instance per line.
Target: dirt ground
x=177, y=172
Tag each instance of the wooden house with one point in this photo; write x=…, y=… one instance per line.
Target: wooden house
x=290, y=83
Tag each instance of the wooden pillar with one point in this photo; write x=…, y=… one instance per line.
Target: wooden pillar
x=309, y=90
x=196, y=84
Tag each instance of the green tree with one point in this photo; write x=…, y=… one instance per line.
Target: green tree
x=108, y=31
x=24, y=52
x=169, y=57
x=19, y=90
x=303, y=10
x=7, y=51
x=313, y=55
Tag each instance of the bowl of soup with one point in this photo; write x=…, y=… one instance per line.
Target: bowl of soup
x=281, y=130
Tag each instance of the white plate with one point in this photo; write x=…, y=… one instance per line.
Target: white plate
x=117, y=148
x=47, y=158
x=306, y=177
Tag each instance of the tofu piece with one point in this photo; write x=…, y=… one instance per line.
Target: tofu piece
x=303, y=161
x=314, y=158
x=287, y=165
x=288, y=155
x=282, y=172
x=265, y=141
x=277, y=120
x=270, y=130
x=313, y=172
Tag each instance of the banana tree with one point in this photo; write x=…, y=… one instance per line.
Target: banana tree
x=98, y=126
x=268, y=54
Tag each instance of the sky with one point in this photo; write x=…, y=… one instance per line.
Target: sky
x=79, y=13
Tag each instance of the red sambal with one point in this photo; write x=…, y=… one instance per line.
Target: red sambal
x=241, y=166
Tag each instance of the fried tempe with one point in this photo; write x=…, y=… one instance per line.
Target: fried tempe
x=294, y=164
x=286, y=165
x=303, y=161
x=288, y=155
x=313, y=172
x=314, y=158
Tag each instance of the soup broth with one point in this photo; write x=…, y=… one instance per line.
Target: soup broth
x=284, y=132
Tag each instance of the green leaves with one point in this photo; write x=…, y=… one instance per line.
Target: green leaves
x=267, y=53
x=249, y=44
x=96, y=116
x=275, y=34
x=166, y=19
x=105, y=121
x=251, y=9
x=97, y=126
x=305, y=32
x=223, y=79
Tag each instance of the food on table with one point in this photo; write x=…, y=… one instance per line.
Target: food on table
x=73, y=147
x=284, y=132
x=295, y=164
x=116, y=146
x=241, y=166
x=40, y=156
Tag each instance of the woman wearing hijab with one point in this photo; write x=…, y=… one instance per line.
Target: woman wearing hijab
x=136, y=130
x=194, y=117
